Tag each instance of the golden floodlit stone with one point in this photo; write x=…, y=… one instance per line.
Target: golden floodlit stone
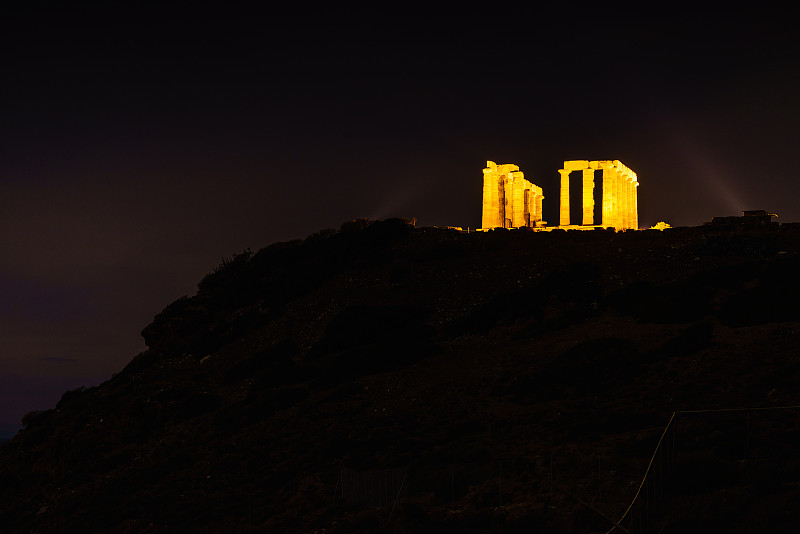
x=511, y=201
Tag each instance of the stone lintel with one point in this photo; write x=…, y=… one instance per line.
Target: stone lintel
x=576, y=164
x=602, y=164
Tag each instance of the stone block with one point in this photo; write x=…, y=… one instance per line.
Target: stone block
x=576, y=165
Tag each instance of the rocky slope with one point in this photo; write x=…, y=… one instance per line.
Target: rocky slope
x=385, y=378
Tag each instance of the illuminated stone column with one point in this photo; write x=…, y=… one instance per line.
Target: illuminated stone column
x=537, y=204
x=625, y=196
x=619, y=200
x=615, y=202
x=563, y=219
x=533, y=204
x=490, y=217
x=528, y=205
x=609, y=176
x=540, y=213
x=631, y=199
x=517, y=216
x=634, y=204
x=505, y=201
x=588, y=197
x=532, y=207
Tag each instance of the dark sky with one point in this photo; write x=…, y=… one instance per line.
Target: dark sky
x=140, y=147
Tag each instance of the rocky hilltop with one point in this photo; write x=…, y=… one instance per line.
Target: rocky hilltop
x=386, y=378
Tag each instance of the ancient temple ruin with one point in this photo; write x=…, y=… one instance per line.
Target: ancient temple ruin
x=620, y=204
x=510, y=201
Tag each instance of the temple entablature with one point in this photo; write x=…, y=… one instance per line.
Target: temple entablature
x=576, y=165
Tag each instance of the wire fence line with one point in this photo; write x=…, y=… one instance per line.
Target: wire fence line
x=459, y=484
x=648, y=502
x=376, y=488
x=650, y=494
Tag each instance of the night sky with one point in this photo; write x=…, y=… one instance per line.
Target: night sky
x=140, y=147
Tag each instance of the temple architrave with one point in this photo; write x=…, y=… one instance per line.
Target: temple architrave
x=510, y=201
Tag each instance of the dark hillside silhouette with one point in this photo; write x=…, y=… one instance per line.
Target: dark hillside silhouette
x=387, y=378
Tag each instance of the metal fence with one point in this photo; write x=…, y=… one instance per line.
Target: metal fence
x=733, y=432
x=377, y=488
x=739, y=437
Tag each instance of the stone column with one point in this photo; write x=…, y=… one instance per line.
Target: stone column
x=619, y=194
x=588, y=197
x=537, y=202
x=517, y=199
x=609, y=176
x=527, y=206
x=615, y=199
x=625, y=193
x=631, y=193
x=490, y=217
x=636, y=205
x=564, y=211
x=631, y=200
x=506, y=201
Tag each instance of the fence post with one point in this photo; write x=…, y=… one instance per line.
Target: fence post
x=599, y=482
x=337, y=484
x=453, y=486
x=747, y=437
x=399, y=491
x=501, y=483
